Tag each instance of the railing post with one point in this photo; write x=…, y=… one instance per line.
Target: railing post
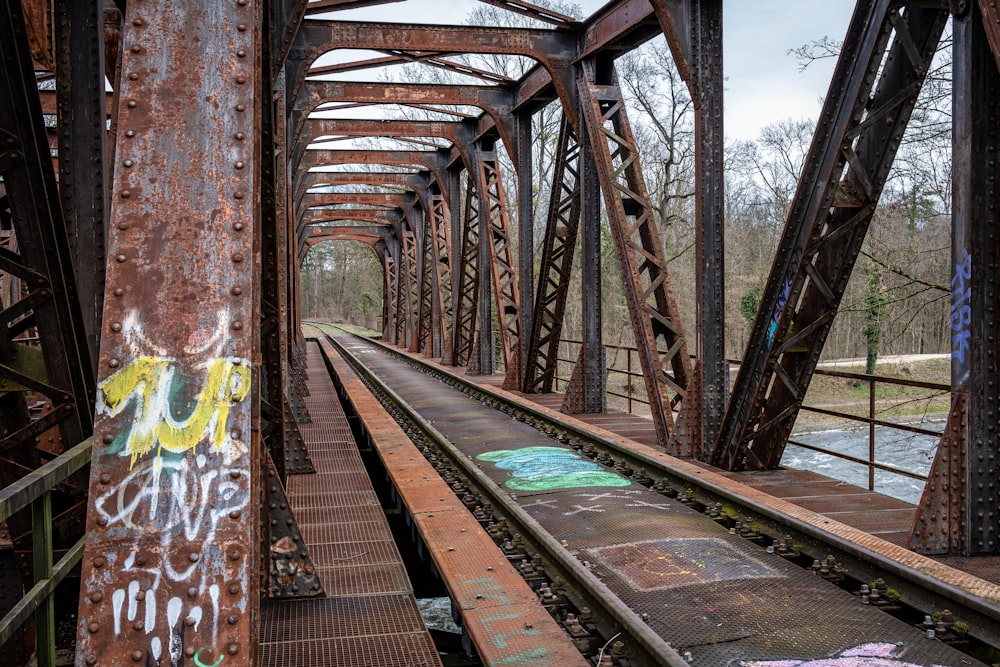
x=871, y=433
x=45, y=615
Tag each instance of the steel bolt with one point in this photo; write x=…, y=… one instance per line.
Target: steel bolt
x=242, y=27
x=96, y=597
x=241, y=107
x=241, y=53
x=192, y=592
x=133, y=76
x=102, y=521
x=118, y=291
x=105, y=478
x=233, y=588
x=115, y=326
x=126, y=194
x=128, y=163
x=113, y=363
x=129, y=133
x=239, y=194
x=194, y=557
x=135, y=48
x=239, y=136
x=137, y=22
x=91, y=660
x=132, y=104
x=241, y=79
x=239, y=164
x=138, y=655
x=108, y=439
x=93, y=628
x=233, y=649
x=120, y=258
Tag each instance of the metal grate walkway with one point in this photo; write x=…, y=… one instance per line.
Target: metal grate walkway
x=370, y=616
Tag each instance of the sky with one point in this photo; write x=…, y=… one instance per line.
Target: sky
x=763, y=82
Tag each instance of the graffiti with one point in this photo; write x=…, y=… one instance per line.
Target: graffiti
x=174, y=496
x=778, y=308
x=186, y=482
x=159, y=390
x=199, y=663
x=671, y=563
x=550, y=469
x=961, y=310
x=865, y=655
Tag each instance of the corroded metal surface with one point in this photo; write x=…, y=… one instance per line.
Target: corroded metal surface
x=501, y=613
x=705, y=589
x=842, y=179
x=369, y=615
x=652, y=309
x=170, y=568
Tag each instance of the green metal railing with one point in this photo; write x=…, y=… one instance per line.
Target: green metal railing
x=34, y=489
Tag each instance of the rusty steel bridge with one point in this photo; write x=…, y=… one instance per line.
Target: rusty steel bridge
x=178, y=455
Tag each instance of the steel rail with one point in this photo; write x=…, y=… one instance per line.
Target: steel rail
x=632, y=624
x=868, y=557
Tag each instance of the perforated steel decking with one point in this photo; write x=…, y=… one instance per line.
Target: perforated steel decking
x=369, y=617
x=707, y=591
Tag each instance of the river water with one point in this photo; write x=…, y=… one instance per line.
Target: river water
x=899, y=449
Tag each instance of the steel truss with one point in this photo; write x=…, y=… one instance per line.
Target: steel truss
x=495, y=236
x=555, y=271
x=884, y=59
x=652, y=309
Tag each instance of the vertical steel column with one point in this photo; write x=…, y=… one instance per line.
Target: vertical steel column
x=82, y=139
x=468, y=283
x=428, y=278
x=390, y=280
x=959, y=512
x=586, y=392
x=526, y=232
x=41, y=261
x=648, y=293
x=451, y=352
x=707, y=95
x=558, y=246
x=411, y=282
x=495, y=239
x=174, y=430
x=885, y=57
x=441, y=259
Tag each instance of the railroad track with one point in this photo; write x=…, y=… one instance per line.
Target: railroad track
x=798, y=536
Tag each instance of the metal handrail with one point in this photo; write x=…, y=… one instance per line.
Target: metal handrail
x=35, y=489
x=871, y=421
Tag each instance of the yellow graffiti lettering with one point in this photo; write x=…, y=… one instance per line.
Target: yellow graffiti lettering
x=147, y=381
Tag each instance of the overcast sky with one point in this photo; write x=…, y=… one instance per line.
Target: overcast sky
x=763, y=84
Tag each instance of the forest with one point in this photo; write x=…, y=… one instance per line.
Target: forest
x=897, y=299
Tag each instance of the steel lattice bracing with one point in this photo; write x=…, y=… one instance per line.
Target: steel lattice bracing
x=865, y=115
x=556, y=256
x=652, y=309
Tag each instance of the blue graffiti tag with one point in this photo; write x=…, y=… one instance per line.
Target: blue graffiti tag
x=550, y=468
x=961, y=310
x=780, y=306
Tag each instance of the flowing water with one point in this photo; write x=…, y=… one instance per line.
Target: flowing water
x=899, y=449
